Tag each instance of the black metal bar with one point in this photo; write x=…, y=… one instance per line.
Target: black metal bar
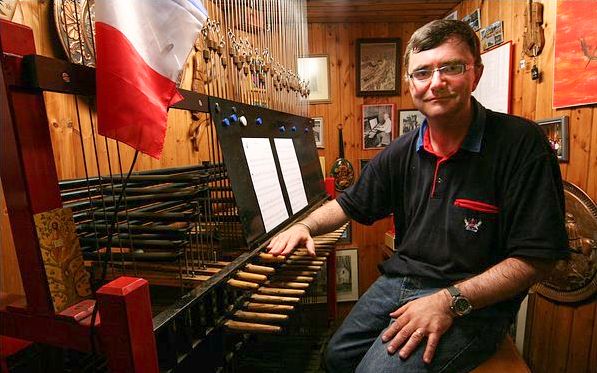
x=50, y=74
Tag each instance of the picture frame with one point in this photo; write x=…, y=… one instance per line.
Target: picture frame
x=318, y=131
x=409, y=120
x=473, y=19
x=492, y=35
x=315, y=70
x=376, y=120
x=347, y=275
x=346, y=237
x=453, y=15
x=363, y=163
x=556, y=131
x=378, y=67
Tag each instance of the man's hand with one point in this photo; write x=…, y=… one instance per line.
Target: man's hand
x=427, y=317
x=286, y=241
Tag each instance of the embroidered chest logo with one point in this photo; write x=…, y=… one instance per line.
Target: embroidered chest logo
x=472, y=224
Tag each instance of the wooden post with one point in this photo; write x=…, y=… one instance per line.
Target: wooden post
x=126, y=328
x=28, y=172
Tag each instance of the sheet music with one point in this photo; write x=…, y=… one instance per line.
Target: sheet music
x=291, y=172
x=266, y=184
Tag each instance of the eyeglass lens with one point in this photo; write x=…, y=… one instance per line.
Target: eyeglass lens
x=451, y=70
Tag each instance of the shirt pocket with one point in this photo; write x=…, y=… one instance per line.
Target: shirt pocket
x=476, y=206
x=472, y=233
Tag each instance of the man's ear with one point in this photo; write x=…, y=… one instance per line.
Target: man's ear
x=478, y=74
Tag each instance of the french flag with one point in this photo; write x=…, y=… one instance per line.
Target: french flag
x=141, y=48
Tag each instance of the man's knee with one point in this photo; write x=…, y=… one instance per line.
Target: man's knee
x=331, y=358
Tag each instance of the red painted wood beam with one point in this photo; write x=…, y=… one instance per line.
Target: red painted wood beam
x=27, y=168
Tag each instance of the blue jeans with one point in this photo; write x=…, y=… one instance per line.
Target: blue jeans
x=357, y=346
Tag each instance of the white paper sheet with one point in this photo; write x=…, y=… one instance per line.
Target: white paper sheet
x=493, y=90
x=291, y=172
x=266, y=184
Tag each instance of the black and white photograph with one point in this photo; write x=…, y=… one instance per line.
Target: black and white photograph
x=378, y=125
x=409, y=120
x=556, y=130
x=347, y=274
x=473, y=19
x=318, y=131
x=347, y=277
x=378, y=67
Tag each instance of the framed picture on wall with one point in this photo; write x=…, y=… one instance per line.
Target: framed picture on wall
x=363, y=163
x=409, y=120
x=473, y=19
x=378, y=67
x=315, y=70
x=346, y=235
x=318, y=131
x=347, y=274
x=556, y=130
x=347, y=277
x=378, y=125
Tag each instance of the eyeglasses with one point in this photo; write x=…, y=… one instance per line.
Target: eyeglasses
x=422, y=75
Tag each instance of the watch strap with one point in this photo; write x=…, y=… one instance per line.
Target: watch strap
x=453, y=290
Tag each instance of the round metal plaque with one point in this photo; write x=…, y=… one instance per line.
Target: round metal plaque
x=575, y=279
x=74, y=22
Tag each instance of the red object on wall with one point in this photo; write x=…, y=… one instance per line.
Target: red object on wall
x=330, y=188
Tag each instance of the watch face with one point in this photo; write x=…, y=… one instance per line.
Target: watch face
x=462, y=306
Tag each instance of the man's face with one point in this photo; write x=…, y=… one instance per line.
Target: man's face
x=443, y=96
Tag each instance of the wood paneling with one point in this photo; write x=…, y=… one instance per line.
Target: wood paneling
x=561, y=337
x=377, y=11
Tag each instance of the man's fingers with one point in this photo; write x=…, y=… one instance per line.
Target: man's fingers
x=402, y=336
x=415, y=339
x=432, y=343
x=310, y=246
x=396, y=314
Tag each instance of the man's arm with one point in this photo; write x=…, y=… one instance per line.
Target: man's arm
x=431, y=316
x=327, y=218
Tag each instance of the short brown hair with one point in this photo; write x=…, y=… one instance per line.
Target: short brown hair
x=437, y=32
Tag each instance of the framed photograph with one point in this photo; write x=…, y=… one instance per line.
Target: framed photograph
x=556, y=130
x=378, y=67
x=347, y=275
x=363, y=163
x=318, y=131
x=347, y=235
x=315, y=70
x=492, y=35
x=410, y=120
x=453, y=15
x=473, y=19
x=378, y=125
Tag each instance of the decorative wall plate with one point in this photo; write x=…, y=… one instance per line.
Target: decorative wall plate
x=575, y=279
x=75, y=21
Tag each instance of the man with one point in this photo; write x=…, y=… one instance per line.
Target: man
x=479, y=216
x=384, y=132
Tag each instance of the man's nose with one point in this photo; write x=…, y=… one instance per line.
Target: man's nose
x=437, y=79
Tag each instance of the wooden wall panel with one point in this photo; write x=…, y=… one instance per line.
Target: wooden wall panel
x=561, y=337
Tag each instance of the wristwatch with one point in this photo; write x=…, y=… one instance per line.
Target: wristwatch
x=460, y=305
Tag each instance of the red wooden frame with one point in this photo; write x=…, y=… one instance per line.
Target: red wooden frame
x=30, y=186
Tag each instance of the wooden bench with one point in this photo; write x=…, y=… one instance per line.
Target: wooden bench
x=506, y=359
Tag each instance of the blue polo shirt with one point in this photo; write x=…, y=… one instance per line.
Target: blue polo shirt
x=500, y=195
